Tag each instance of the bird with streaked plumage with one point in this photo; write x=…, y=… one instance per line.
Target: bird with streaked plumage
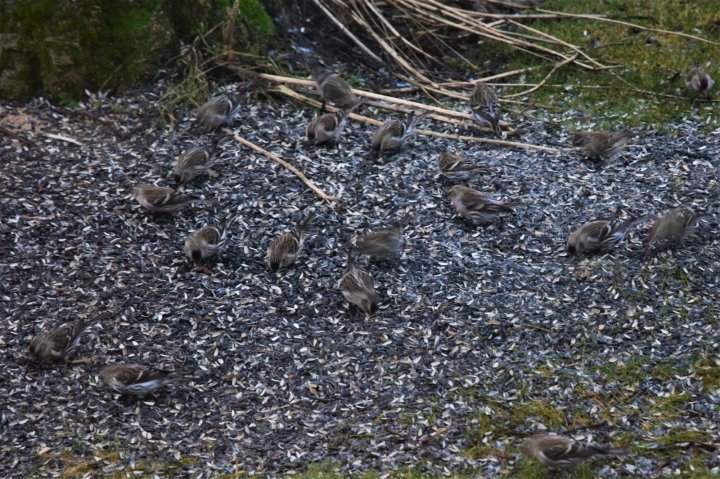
x=218, y=111
x=483, y=103
x=206, y=242
x=57, y=344
x=458, y=169
x=136, y=379
x=559, y=451
x=598, y=145
x=161, y=199
x=328, y=127
x=331, y=87
x=673, y=227
x=600, y=235
x=392, y=135
x=476, y=206
x=284, y=250
x=358, y=288
x=384, y=244
x=699, y=81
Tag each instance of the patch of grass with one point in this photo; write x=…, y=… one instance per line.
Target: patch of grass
x=708, y=370
x=669, y=407
x=648, y=85
x=630, y=373
x=680, y=435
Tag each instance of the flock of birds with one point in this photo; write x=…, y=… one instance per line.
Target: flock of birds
x=356, y=284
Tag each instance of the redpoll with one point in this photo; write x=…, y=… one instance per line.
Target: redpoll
x=357, y=287
x=698, y=80
x=285, y=249
x=159, y=199
x=217, y=111
x=475, y=206
x=483, y=103
x=136, y=379
x=329, y=126
x=332, y=88
x=600, y=235
x=56, y=345
x=673, y=226
x=599, y=144
x=207, y=241
x=394, y=133
x=558, y=451
x=457, y=168
x=191, y=164
x=385, y=243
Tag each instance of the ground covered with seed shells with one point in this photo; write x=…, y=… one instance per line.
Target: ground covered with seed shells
x=484, y=334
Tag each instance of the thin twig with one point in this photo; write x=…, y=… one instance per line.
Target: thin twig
x=547, y=77
x=627, y=24
x=323, y=196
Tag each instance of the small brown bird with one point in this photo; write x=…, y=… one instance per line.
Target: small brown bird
x=384, y=244
x=331, y=87
x=476, y=206
x=207, y=241
x=136, y=379
x=599, y=144
x=329, y=126
x=393, y=134
x=483, y=103
x=357, y=287
x=673, y=226
x=559, y=451
x=599, y=235
x=285, y=249
x=191, y=164
x=457, y=168
x=160, y=199
x=56, y=345
x=217, y=111
x=698, y=80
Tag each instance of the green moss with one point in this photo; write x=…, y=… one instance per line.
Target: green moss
x=256, y=16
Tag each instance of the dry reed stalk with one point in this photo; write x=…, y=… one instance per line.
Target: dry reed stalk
x=372, y=121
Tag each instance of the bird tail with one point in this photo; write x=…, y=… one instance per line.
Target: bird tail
x=608, y=451
x=412, y=121
x=634, y=221
x=495, y=125
x=305, y=222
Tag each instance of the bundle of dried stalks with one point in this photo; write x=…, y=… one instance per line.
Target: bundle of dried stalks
x=408, y=33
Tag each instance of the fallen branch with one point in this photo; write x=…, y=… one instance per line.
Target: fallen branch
x=323, y=196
